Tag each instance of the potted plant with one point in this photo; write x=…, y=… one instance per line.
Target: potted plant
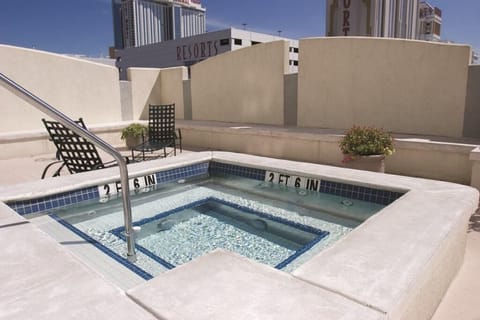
x=133, y=134
x=365, y=148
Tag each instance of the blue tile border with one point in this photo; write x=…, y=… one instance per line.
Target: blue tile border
x=38, y=205
x=123, y=261
x=182, y=173
x=374, y=195
x=42, y=204
x=119, y=232
x=320, y=234
x=240, y=171
x=383, y=197
x=25, y=207
x=65, y=199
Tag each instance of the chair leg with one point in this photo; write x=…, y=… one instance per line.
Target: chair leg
x=179, y=138
x=57, y=172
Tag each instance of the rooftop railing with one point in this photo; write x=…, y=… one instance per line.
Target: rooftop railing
x=44, y=107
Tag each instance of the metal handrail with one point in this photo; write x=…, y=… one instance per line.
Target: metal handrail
x=44, y=107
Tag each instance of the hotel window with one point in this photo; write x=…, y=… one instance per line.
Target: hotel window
x=293, y=63
x=224, y=42
x=237, y=42
x=436, y=28
x=428, y=28
x=293, y=49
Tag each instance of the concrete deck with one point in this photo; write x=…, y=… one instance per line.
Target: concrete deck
x=233, y=287
x=41, y=280
x=459, y=302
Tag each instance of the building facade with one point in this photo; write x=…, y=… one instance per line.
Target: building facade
x=138, y=23
x=372, y=18
x=430, y=22
x=190, y=50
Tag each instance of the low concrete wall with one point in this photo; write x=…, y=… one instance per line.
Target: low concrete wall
x=447, y=161
x=475, y=158
x=245, y=85
x=157, y=86
x=454, y=161
x=76, y=87
x=19, y=144
x=403, y=86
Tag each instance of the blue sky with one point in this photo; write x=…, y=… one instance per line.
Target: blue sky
x=85, y=26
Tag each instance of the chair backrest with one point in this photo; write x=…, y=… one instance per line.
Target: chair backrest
x=161, y=123
x=77, y=153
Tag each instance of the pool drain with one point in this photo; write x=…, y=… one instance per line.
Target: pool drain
x=302, y=192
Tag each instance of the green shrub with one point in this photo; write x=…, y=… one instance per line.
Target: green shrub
x=134, y=130
x=366, y=141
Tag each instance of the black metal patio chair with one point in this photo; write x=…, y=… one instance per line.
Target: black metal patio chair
x=73, y=152
x=161, y=131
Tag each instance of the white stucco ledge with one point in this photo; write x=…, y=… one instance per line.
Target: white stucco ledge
x=9, y=217
x=397, y=265
x=223, y=285
x=49, y=186
x=475, y=158
x=475, y=154
x=41, y=280
x=31, y=135
x=401, y=260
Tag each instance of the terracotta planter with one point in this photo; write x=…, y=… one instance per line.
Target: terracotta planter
x=374, y=163
x=133, y=141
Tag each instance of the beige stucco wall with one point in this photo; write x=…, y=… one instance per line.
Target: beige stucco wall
x=291, y=89
x=76, y=87
x=245, y=85
x=472, y=105
x=156, y=86
x=171, y=80
x=401, y=85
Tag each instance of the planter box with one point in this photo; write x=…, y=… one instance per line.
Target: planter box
x=131, y=142
x=374, y=163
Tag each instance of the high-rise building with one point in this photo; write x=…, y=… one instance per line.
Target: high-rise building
x=372, y=18
x=142, y=22
x=190, y=50
x=430, y=22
